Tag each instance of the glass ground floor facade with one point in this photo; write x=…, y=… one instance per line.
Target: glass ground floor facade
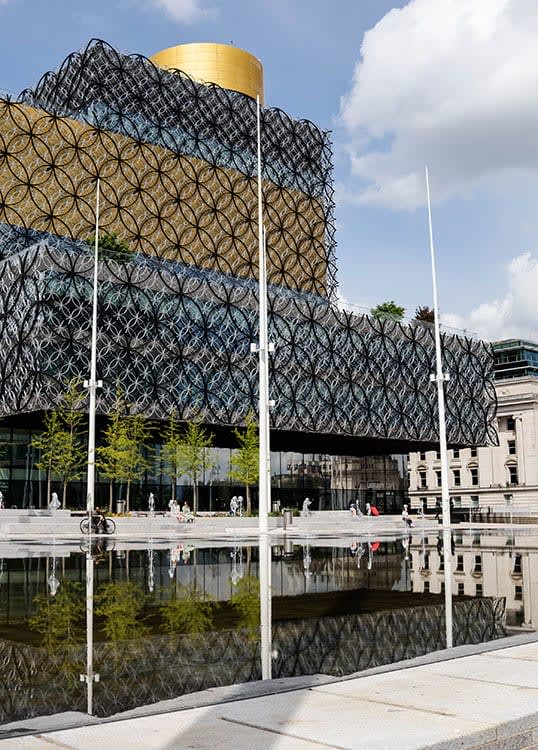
x=331, y=482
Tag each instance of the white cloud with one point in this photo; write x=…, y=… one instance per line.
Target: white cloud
x=515, y=315
x=448, y=83
x=185, y=11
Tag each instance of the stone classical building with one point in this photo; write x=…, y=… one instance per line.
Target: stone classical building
x=499, y=477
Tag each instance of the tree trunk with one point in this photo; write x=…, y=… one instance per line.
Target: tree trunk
x=48, y=488
x=110, y=495
x=128, y=496
x=249, y=503
x=64, y=494
x=174, y=488
x=195, y=498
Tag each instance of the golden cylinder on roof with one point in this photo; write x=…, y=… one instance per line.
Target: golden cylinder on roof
x=228, y=66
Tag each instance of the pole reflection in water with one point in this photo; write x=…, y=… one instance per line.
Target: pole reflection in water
x=265, y=605
x=90, y=677
x=447, y=556
x=307, y=566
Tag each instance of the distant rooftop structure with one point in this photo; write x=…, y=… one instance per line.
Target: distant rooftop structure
x=515, y=359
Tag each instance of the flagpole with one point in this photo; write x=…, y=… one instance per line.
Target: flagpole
x=441, y=378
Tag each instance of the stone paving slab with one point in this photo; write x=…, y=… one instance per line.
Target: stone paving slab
x=487, y=701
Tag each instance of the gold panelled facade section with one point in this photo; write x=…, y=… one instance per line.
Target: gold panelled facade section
x=172, y=206
x=228, y=66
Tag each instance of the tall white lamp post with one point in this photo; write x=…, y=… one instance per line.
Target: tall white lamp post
x=440, y=378
x=92, y=384
x=263, y=349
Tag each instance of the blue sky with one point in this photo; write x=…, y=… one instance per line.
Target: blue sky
x=448, y=82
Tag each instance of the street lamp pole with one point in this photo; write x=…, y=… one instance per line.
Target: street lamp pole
x=440, y=378
x=92, y=384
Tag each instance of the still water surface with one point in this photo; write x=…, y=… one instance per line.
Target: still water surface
x=173, y=618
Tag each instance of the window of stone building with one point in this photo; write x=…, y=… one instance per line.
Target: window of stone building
x=422, y=479
x=478, y=563
x=459, y=564
x=479, y=590
x=518, y=593
x=461, y=589
x=511, y=447
x=510, y=423
x=474, y=452
x=438, y=475
x=456, y=453
x=474, y=476
x=422, y=455
x=457, y=477
x=517, y=564
x=426, y=587
x=512, y=471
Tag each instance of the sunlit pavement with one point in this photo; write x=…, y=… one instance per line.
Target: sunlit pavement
x=485, y=700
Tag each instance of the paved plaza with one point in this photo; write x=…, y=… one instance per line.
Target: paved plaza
x=483, y=700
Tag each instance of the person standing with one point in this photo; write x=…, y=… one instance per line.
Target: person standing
x=405, y=516
x=55, y=503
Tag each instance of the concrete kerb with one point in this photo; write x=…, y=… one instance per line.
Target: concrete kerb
x=229, y=694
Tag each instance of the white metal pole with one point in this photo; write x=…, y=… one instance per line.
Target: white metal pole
x=440, y=378
x=263, y=351
x=90, y=677
x=92, y=383
x=265, y=606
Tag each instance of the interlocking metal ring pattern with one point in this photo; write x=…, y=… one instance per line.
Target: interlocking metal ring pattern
x=179, y=338
x=144, y=671
x=178, y=168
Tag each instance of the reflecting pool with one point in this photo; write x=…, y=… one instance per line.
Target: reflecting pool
x=108, y=626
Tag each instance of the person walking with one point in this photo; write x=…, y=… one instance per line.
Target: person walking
x=405, y=516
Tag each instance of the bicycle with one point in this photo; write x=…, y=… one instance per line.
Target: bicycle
x=99, y=525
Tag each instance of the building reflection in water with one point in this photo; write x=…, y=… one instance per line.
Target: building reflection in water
x=153, y=621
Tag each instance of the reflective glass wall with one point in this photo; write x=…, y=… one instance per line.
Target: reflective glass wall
x=330, y=482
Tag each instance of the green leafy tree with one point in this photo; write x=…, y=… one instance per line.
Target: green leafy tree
x=62, y=453
x=110, y=246
x=171, y=452
x=388, y=311
x=123, y=456
x=133, y=452
x=48, y=443
x=120, y=604
x=425, y=314
x=71, y=451
x=110, y=453
x=192, y=454
x=246, y=601
x=245, y=467
x=190, y=613
x=57, y=618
